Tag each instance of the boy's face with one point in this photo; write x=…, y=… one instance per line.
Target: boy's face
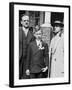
x=37, y=27
x=38, y=35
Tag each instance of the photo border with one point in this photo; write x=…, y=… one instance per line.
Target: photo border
x=11, y=42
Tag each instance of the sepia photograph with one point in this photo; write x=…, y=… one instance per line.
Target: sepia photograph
x=39, y=46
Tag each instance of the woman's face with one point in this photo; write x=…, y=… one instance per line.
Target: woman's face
x=57, y=29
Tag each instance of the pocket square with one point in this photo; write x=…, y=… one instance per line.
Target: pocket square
x=41, y=48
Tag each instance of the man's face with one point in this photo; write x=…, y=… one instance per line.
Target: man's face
x=38, y=35
x=25, y=21
x=57, y=29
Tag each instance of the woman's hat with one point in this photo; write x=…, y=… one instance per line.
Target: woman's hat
x=58, y=23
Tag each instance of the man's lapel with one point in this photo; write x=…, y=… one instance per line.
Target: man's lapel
x=29, y=37
x=35, y=48
x=23, y=34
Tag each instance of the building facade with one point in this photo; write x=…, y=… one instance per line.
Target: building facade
x=44, y=19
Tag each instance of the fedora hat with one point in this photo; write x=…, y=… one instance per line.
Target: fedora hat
x=58, y=23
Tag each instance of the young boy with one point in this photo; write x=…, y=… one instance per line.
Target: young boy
x=37, y=57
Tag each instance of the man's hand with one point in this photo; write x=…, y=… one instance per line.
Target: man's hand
x=44, y=69
x=27, y=72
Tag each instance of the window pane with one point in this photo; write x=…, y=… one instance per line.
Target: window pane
x=37, y=21
x=37, y=14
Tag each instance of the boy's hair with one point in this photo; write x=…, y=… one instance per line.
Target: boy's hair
x=37, y=28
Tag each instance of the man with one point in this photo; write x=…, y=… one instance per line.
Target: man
x=25, y=37
x=37, y=57
x=56, y=51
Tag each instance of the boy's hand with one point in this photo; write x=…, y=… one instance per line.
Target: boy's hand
x=44, y=69
x=27, y=72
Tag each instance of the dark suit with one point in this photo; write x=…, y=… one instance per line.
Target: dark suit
x=23, y=45
x=37, y=59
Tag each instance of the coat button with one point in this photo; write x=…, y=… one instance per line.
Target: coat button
x=55, y=59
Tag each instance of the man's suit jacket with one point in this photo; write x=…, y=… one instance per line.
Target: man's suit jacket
x=37, y=59
x=24, y=42
x=23, y=45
